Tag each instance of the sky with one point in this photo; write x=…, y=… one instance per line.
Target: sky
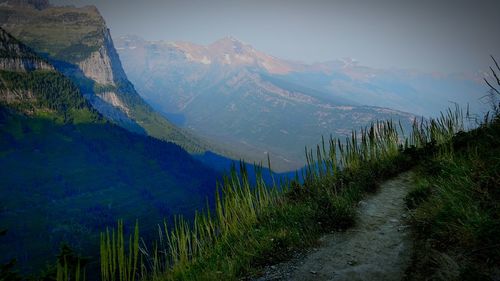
x=431, y=35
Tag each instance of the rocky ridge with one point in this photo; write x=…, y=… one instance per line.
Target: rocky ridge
x=78, y=43
x=17, y=57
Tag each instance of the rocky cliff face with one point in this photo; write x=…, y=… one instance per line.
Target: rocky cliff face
x=103, y=66
x=114, y=100
x=22, y=64
x=13, y=96
x=98, y=67
x=16, y=57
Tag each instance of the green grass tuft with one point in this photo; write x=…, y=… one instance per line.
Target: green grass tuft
x=456, y=200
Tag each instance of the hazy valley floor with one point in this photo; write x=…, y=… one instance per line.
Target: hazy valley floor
x=377, y=248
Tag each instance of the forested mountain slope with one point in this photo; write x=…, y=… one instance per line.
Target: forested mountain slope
x=67, y=172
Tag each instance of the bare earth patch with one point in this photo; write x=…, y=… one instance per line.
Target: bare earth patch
x=377, y=248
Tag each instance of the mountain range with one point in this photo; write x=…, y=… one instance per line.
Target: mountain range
x=345, y=80
x=81, y=148
x=252, y=102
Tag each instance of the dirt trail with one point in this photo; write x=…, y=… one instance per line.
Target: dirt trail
x=377, y=248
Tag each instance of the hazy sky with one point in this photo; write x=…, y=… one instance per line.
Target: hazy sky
x=433, y=35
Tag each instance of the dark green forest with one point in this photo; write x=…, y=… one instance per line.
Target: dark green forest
x=67, y=173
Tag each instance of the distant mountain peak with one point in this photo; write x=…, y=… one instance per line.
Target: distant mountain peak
x=227, y=51
x=228, y=40
x=230, y=45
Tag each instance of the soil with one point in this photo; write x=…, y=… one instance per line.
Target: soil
x=379, y=247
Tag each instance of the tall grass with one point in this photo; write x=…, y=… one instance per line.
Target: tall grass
x=116, y=263
x=456, y=208
x=381, y=142
x=237, y=208
x=68, y=267
x=65, y=273
x=252, y=221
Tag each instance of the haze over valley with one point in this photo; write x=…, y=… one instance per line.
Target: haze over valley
x=254, y=103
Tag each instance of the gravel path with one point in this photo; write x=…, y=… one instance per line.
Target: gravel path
x=377, y=248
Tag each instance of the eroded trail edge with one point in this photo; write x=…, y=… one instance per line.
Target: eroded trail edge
x=378, y=247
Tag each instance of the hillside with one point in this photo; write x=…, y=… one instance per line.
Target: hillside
x=77, y=42
x=67, y=173
x=235, y=95
x=99, y=181
x=337, y=224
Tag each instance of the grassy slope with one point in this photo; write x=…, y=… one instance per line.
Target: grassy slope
x=457, y=209
x=294, y=222
x=252, y=226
